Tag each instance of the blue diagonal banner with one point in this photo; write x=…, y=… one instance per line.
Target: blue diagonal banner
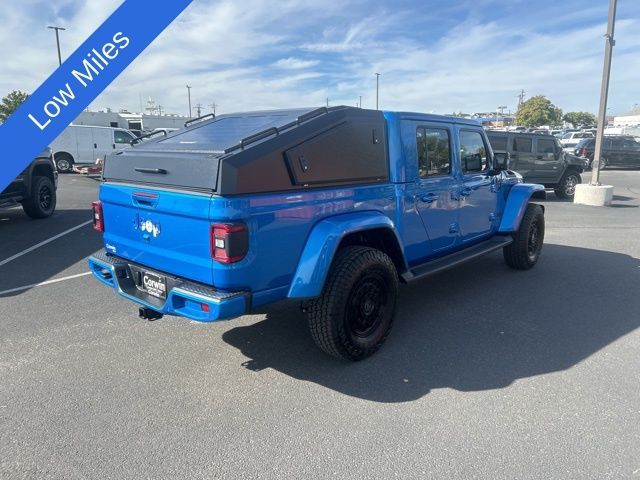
x=80, y=79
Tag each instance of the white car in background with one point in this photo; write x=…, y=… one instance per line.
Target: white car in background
x=80, y=144
x=571, y=139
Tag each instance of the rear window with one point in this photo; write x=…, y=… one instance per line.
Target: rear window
x=522, y=144
x=434, y=152
x=586, y=142
x=498, y=142
x=227, y=131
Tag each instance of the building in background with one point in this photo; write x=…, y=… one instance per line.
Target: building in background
x=129, y=120
x=630, y=119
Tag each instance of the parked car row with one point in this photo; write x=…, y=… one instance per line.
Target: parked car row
x=618, y=151
x=570, y=140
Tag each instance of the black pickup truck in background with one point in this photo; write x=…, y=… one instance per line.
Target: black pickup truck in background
x=540, y=159
x=34, y=188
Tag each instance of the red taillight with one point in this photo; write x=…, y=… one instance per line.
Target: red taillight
x=229, y=242
x=583, y=152
x=98, y=219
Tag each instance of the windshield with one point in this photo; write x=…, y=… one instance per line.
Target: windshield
x=227, y=131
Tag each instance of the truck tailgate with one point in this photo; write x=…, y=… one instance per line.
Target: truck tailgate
x=165, y=230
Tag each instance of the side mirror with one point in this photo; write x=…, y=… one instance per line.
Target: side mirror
x=472, y=163
x=501, y=161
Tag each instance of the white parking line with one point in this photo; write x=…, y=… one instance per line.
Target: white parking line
x=38, y=245
x=48, y=282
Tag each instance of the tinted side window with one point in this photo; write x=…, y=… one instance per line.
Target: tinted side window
x=522, y=144
x=556, y=142
x=473, y=152
x=631, y=145
x=122, y=137
x=498, y=142
x=434, y=152
x=545, y=146
x=616, y=144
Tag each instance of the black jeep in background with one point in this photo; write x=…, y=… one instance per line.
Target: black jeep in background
x=617, y=151
x=540, y=159
x=34, y=188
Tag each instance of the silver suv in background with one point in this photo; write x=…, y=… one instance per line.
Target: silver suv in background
x=570, y=140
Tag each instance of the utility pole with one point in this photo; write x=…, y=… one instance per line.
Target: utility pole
x=57, y=29
x=327, y=102
x=159, y=109
x=520, y=97
x=199, y=109
x=604, y=92
x=189, y=93
x=213, y=106
x=360, y=101
x=377, y=89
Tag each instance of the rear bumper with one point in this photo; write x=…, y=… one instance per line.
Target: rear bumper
x=184, y=298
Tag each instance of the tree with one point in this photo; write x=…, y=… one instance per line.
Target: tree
x=579, y=118
x=10, y=103
x=538, y=111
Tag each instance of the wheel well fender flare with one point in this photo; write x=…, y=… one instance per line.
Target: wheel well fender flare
x=39, y=169
x=516, y=205
x=573, y=169
x=324, y=241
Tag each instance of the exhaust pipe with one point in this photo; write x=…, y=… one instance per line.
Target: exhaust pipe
x=149, y=314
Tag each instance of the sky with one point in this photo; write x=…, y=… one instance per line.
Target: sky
x=433, y=56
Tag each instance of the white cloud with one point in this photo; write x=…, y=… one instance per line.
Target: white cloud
x=292, y=63
x=258, y=54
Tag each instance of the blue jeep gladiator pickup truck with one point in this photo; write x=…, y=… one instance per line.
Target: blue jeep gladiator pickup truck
x=331, y=207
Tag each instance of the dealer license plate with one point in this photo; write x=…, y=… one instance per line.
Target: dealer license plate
x=154, y=285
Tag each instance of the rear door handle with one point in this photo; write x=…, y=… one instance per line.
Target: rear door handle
x=160, y=171
x=429, y=197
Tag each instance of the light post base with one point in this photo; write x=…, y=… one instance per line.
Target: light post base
x=595, y=195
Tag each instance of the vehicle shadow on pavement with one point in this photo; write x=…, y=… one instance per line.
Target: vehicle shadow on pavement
x=50, y=260
x=481, y=326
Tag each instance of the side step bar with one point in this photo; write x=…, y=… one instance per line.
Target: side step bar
x=454, y=259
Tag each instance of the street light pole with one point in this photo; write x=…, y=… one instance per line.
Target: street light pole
x=189, y=93
x=377, y=89
x=57, y=29
x=604, y=92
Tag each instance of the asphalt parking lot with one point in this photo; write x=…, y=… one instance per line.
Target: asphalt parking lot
x=488, y=373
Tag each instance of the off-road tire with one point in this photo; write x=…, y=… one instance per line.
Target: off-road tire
x=566, y=188
x=64, y=162
x=42, y=201
x=523, y=253
x=361, y=287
